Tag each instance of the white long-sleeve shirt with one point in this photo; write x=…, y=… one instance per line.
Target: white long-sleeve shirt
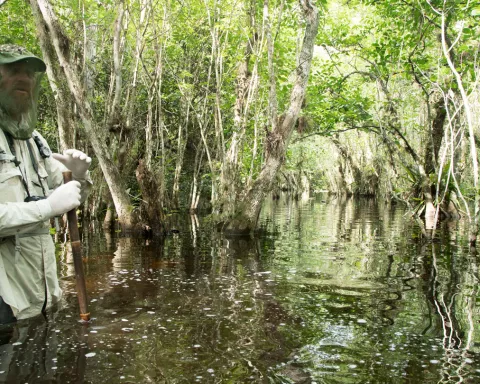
x=28, y=272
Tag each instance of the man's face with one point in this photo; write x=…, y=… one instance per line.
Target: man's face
x=17, y=82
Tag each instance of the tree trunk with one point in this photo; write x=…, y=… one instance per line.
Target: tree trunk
x=44, y=12
x=272, y=96
x=436, y=135
x=109, y=220
x=470, y=128
x=149, y=187
x=351, y=165
x=181, y=144
x=229, y=183
x=114, y=115
x=217, y=60
x=248, y=209
x=58, y=83
x=139, y=45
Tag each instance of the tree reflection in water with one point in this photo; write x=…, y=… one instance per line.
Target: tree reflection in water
x=339, y=291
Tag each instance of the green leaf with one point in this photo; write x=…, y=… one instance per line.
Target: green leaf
x=476, y=11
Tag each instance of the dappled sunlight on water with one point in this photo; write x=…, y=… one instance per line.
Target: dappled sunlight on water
x=331, y=291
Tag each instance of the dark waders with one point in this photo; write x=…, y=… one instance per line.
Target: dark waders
x=7, y=322
x=6, y=313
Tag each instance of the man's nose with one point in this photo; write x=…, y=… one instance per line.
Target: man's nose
x=23, y=81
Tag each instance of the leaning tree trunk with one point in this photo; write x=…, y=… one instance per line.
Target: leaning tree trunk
x=63, y=99
x=248, y=209
x=43, y=11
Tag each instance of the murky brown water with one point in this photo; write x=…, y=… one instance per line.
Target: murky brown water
x=332, y=292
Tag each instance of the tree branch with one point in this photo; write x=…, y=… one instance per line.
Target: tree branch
x=370, y=128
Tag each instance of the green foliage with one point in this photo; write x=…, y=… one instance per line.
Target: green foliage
x=378, y=71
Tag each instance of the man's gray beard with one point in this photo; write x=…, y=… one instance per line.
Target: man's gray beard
x=13, y=109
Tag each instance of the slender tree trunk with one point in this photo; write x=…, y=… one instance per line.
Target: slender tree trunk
x=117, y=65
x=272, y=96
x=474, y=220
x=150, y=180
x=436, y=136
x=181, y=144
x=217, y=60
x=248, y=209
x=245, y=84
x=161, y=38
x=197, y=181
x=58, y=83
x=149, y=143
x=43, y=11
x=254, y=153
x=139, y=45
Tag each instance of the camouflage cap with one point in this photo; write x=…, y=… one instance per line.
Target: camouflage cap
x=10, y=53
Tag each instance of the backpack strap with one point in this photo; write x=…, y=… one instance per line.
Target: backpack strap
x=11, y=146
x=44, y=151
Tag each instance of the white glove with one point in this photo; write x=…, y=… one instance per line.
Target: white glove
x=76, y=161
x=65, y=198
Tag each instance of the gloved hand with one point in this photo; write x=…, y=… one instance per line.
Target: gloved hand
x=76, y=161
x=65, y=198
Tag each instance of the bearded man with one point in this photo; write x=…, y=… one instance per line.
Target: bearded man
x=31, y=191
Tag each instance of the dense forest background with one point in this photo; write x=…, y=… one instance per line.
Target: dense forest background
x=215, y=105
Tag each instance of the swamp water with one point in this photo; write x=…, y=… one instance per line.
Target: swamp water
x=336, y=291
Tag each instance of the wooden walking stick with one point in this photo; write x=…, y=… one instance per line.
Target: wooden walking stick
x=77, y=256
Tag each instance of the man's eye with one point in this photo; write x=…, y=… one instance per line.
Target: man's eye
x=13, y=70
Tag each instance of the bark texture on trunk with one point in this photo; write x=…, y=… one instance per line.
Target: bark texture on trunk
x=437, y=128
x=42, y=10
x=149, y=187
x=229, y=183
x=245, y=218
x=58, y=83
x=117, y=65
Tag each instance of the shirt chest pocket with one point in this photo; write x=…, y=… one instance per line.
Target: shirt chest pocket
x=11, y=188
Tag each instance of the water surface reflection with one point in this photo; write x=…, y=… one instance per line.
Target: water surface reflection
x=333, y=291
